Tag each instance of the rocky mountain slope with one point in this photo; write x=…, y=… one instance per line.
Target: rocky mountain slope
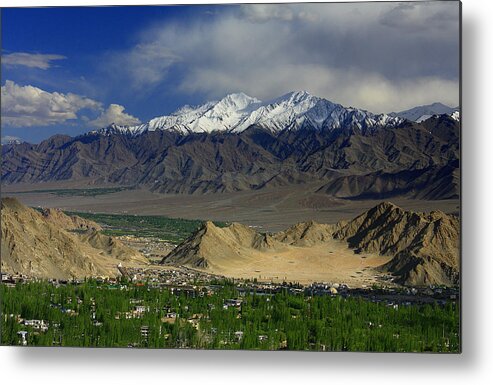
x=210, y=244
x=68, y=222
x=45, y=245
x=429, y=183
x=423, y=248
x=240, y=143
x=305, y=234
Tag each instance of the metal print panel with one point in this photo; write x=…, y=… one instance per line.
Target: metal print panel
x=269, y=177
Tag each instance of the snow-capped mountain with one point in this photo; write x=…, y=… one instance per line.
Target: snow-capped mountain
x=11, y=140
x=236, y=112
x=421, y=113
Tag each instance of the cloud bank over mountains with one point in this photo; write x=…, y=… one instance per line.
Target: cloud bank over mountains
x=115, y=114
x=380, y=57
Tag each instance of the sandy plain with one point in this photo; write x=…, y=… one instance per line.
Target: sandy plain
x=267, y=210
x=330, y=262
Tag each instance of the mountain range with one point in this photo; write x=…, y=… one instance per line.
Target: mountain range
x=237, y=112
x=241, y=143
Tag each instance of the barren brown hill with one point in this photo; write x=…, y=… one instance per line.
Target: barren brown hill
x=109, y=245
x=306, y=234
x=425, y=246
x=212, y=245
x=417, y=248
x=36, y=245
x=68, y=222
x=297, y=255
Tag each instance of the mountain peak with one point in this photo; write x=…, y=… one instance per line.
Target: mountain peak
x=209, y=225
x=11, y=203
x=11, y=140
x=294, y=97
x=240, y=96
x=421, y=113
x=438, y=104
x=237, y=101
x=386, y=206
x=299, y=94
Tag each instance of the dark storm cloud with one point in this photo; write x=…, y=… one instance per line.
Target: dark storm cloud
x=399, y=41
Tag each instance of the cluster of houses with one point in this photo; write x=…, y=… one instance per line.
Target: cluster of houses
x=391, y=296
x=10, y=280
x=232, y=303
x=137, y=312
x=150, y=247
x=326, y=288
x=158, y=276
x=36, y=324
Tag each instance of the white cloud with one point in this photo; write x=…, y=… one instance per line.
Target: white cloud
x=422, y=17
x=114, y=114
x=259, y=13
x=32, y=60
x=365, y=90
x=26, y=106
x=369, y=55
x=145, y=65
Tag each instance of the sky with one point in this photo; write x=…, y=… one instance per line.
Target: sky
x=69, y=70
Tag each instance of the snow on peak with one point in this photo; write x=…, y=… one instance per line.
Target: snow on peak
x=236, y=112
x=421, y=113
x=11, y=140
x=297, y=96
x=238, y=101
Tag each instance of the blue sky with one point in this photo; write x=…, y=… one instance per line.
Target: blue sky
x=70, y=70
